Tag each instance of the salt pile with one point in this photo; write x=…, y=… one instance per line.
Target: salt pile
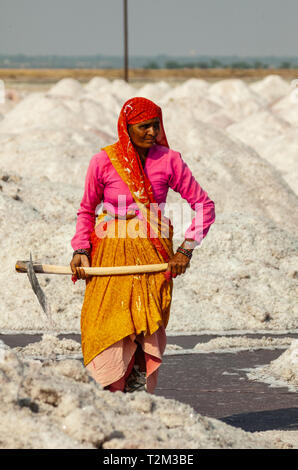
x=260, y=128
x=40, y=110
x=223, y=163
x=281, y=372
x=271, y=88
x=272, y=130
x=154, y=91
x=274, y=152
x=67, y=87
x=246, y=278
x=238, y=343
x=50, y=347
x=238, y=99
x=287, y=109
x=58, y=406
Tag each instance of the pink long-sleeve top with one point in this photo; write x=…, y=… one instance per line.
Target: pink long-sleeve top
x=165, y=169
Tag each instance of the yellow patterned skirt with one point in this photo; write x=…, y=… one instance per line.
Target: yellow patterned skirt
x=119, y=305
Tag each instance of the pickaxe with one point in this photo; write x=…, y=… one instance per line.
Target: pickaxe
x=31, y=268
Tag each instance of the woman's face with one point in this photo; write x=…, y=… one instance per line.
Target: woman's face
x=144, y=133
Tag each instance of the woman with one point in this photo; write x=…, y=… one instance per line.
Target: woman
x=124, y=317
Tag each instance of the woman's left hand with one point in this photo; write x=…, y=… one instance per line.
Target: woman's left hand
x=177, y=265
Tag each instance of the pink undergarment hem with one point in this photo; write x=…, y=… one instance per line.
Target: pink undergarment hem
x=111, y=364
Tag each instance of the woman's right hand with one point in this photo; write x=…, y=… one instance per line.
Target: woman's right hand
x=77, y=262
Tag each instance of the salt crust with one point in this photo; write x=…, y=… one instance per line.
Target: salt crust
x=281, y=372
x=57, y=405
x=58, y=356
x=51, y=346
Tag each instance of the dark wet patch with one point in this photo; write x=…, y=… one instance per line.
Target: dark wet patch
x=216, y=385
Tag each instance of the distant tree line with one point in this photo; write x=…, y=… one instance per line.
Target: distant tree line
x=157, y=62
x=214, y=63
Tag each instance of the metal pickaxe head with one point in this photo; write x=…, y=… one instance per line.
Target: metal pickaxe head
x=38, y=291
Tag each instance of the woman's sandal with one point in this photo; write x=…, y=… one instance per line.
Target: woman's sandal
x=136, y=382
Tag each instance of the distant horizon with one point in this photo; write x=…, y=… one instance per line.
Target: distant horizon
x=158, y=61
x=186, y=56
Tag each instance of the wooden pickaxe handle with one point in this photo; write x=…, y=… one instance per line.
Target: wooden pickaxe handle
x=21, y=267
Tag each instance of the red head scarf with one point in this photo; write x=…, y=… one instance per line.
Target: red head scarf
x=138, y=110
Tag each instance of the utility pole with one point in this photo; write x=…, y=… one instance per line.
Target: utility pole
x=125, y=41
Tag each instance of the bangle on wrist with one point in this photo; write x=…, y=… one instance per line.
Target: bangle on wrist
x=184, y=251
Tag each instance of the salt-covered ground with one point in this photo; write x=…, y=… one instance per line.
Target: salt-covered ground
x=57, y=405
x=241, y=142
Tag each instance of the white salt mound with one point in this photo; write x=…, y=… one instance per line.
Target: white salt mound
x=96, y=83
x=61, y=156
x=50, y=347
x=40, y=110
x=189, y=88
x=258, y=129
x=271, y=134
x=154, y=91
x=271, y=88
x=233, y=174
x=287, y=108
x=242, y=343
x=67, y=87
x=120, y=89
x=57, y=406
x=283, y=371
x=282, y=152
x=201, y=108
x=243, y=277
x=238, y=99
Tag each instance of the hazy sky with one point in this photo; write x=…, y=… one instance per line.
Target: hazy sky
x=176, y=27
